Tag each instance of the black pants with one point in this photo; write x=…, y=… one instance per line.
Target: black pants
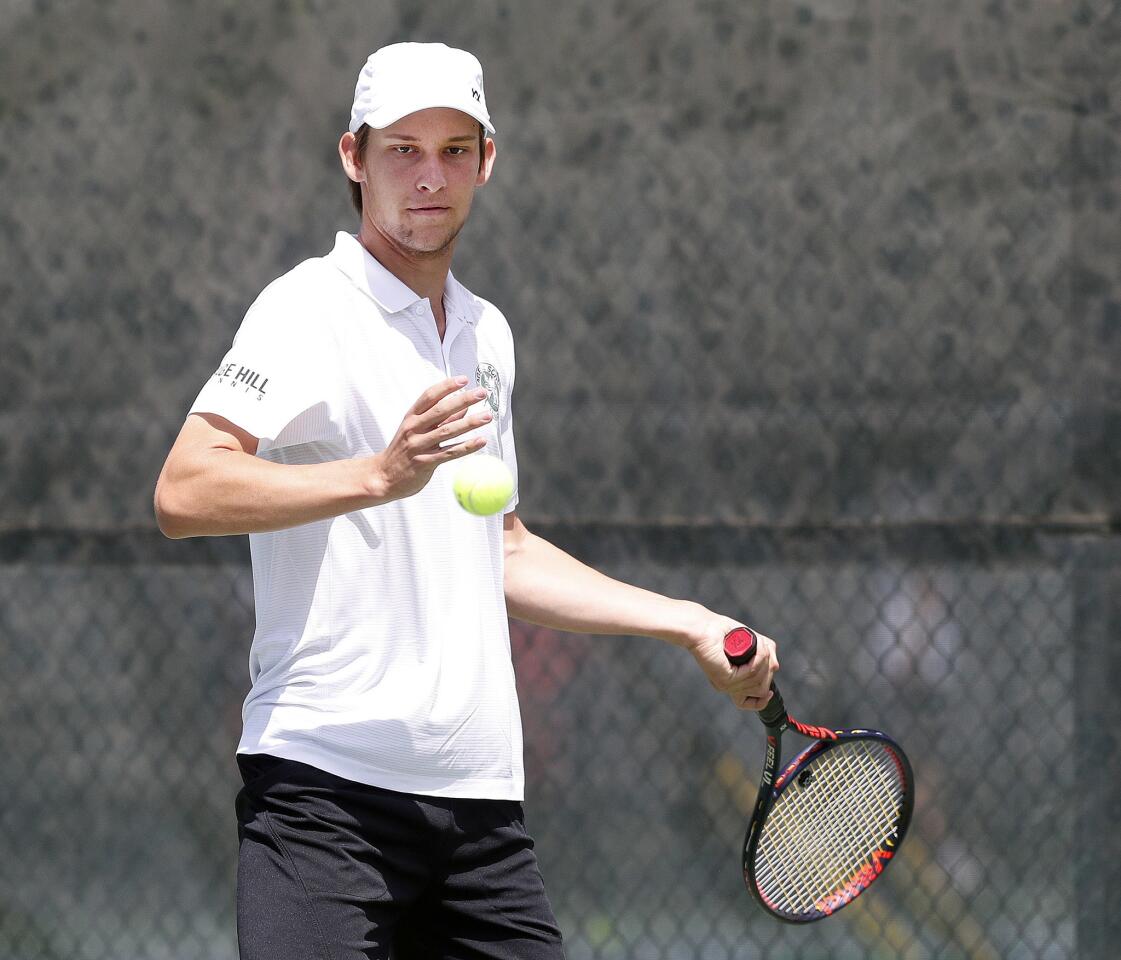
x=330, y=869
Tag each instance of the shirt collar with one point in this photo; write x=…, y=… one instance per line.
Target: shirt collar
x=459, y=301
x=385, y=289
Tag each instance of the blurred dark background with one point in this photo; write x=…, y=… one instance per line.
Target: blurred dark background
x=817, y=308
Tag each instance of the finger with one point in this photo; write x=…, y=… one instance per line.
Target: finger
x=458, y=419
x=752, y=703
x=772, y=659
x=765, y=661
x=747, y=673
x=449, y=430
x=759, y=687
x=453, y=452
x=456, y=416
x=435, y=393
x=449, y=408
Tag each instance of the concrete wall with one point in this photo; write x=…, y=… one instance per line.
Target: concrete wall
x=765, y=262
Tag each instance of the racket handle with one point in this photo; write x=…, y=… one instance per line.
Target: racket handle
x=739, y=647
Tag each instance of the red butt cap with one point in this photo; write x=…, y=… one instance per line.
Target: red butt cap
x=739, y=646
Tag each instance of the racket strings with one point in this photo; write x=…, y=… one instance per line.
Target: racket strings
x=818, y=848
x=819, y=835
x=830, y=835
x=833, y=834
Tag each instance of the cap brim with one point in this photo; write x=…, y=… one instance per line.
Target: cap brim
x=380, y=119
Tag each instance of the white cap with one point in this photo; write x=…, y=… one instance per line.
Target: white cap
x=405, y=77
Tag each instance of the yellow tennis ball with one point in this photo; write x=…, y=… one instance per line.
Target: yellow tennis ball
x=483, y=484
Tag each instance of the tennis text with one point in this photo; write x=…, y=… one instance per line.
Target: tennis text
x=239, y=376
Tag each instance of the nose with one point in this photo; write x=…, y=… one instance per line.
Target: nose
x=431, y=179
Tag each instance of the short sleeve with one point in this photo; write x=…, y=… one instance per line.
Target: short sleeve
x=270, y=378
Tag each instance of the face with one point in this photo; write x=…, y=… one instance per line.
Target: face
x=418, y=179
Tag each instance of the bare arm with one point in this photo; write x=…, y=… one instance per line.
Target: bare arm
x=213, y=484
x=546, y=586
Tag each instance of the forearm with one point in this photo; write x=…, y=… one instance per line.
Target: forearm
x=222, y=492
x=213, y=484
x=546, y=586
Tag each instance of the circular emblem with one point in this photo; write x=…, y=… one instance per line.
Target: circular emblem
x=486, y=376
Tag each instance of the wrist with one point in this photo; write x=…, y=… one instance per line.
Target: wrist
x=685, y=628
x=374, y=484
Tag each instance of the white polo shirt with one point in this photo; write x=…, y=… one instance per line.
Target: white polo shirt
x=382, y=648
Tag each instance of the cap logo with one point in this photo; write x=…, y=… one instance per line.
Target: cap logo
x=475, y=93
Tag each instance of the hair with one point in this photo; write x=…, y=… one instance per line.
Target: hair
x=362, y=140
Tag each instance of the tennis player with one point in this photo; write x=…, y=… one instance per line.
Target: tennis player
x=382, y=754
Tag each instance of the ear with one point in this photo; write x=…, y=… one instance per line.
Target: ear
x=351, y=161
x=489, y=152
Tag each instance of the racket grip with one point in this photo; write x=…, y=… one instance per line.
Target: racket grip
x=740, y=645
x=774, y=713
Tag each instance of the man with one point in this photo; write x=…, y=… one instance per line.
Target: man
x=381, y=750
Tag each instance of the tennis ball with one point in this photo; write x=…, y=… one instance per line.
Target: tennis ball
x=483, y=484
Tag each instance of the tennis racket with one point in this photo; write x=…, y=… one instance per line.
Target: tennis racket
x=825, y=828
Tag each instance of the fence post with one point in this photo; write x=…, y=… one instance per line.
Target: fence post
x=1096, y=584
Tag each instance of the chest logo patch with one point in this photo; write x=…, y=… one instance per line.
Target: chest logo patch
x=486, y=376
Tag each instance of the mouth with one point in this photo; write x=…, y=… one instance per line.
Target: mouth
x=432, y=211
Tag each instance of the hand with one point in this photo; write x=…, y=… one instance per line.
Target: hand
x=748, y=685
x=414, y=453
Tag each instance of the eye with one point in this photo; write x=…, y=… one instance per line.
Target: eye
x=402, y=149
x=457, y=151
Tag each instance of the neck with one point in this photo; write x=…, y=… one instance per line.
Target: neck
x=424, y=275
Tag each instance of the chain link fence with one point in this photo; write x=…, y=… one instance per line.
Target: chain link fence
x=818, y=320
x=125, y=670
